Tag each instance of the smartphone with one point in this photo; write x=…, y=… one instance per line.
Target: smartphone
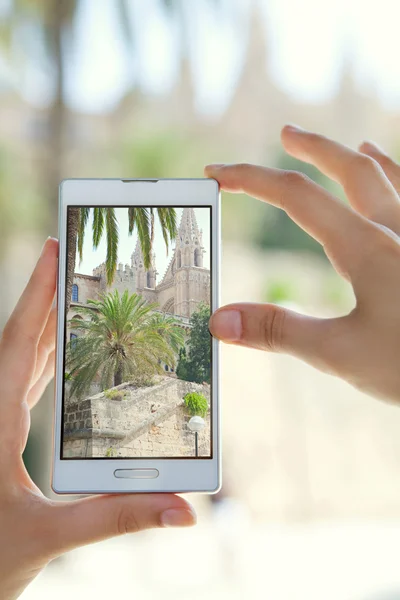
x=137, y=371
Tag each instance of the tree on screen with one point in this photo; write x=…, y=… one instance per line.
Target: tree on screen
x=121, y=338
x=195, y=360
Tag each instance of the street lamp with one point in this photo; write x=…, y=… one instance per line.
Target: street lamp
x=196, y=424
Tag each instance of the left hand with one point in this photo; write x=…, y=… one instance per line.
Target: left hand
x=34, y=529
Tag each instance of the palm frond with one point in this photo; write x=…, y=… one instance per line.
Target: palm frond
x=98, y=225
x=168, y=222
x=140, y=217
x=112, y=244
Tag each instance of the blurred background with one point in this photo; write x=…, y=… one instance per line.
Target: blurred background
x=310, y=506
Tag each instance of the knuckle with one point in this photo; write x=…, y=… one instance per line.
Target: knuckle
x=382, y=246
x=13, y=332
x=292, y=181
x=242, y=169
x=386, y=241
x=361, y=164
x=316, y=138
x=243, y=166
x=127, y=521
x=271, y=329
x=386, y=162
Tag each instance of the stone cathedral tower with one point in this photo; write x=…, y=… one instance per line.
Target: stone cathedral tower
x=186, y=282
x=189, y=243
x=192, y=280
x=144, y=278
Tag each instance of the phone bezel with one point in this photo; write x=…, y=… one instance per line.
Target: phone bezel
x=175, y=474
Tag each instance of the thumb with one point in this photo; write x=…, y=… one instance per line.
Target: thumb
x=97, y=518
x=276, y=329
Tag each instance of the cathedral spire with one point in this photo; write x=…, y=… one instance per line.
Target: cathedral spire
x=189, y=245
x=188, y=226
x=144, y=278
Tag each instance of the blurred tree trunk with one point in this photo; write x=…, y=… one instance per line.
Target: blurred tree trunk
x=59, y=15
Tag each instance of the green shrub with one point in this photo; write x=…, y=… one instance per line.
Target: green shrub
x=115, y=394
x=110, y=453
x=280, y=291
x=196, y=404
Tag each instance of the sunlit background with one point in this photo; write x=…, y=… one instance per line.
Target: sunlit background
x=310, y=506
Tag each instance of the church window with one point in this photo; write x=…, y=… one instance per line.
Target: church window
x=72, y=338
x=197, y=257
x=75, y=295
x=166, y=367
x=148, y=279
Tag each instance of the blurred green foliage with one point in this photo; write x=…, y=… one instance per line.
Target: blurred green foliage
x=278, y=291
x=336, y=292
x=275, y=229
x=20, y=203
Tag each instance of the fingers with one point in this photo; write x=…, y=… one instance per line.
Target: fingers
x=37, y=390
x=97, y=518
x=46, y=345
x=275, y=329
x=21, y=334
x=391, y=168
x=362, y=178
x=341, y=230
x=30, y=316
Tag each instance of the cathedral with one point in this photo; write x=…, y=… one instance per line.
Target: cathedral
x=186, y=283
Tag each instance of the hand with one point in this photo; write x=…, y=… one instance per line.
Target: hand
x=362, y=244
x=34, y=529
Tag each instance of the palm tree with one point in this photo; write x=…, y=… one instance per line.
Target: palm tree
x=122, y=339
x=52, y=22
x=105, y=223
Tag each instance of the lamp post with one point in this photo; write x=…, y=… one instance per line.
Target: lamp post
x=196, y=424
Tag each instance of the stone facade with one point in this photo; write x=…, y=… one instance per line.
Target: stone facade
x=88, y=287
x=142, y=422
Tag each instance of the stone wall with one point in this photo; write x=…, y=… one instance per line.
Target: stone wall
x=88, y=287
x=143, y=422
x=124, y=279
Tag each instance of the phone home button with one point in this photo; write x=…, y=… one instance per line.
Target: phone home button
x=136, y=473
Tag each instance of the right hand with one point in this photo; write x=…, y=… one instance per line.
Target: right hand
x=362, y=244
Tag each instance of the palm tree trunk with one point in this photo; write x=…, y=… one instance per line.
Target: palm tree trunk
x=118, y=377
x=72, y=231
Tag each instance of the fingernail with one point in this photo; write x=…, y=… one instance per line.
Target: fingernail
x=178, y=517
x=46, y=242
x=227, y=325
x=294, y=128
x=215, y=167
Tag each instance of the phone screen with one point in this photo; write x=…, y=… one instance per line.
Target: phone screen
x=137, y=349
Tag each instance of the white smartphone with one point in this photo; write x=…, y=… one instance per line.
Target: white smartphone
x=137, y=384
